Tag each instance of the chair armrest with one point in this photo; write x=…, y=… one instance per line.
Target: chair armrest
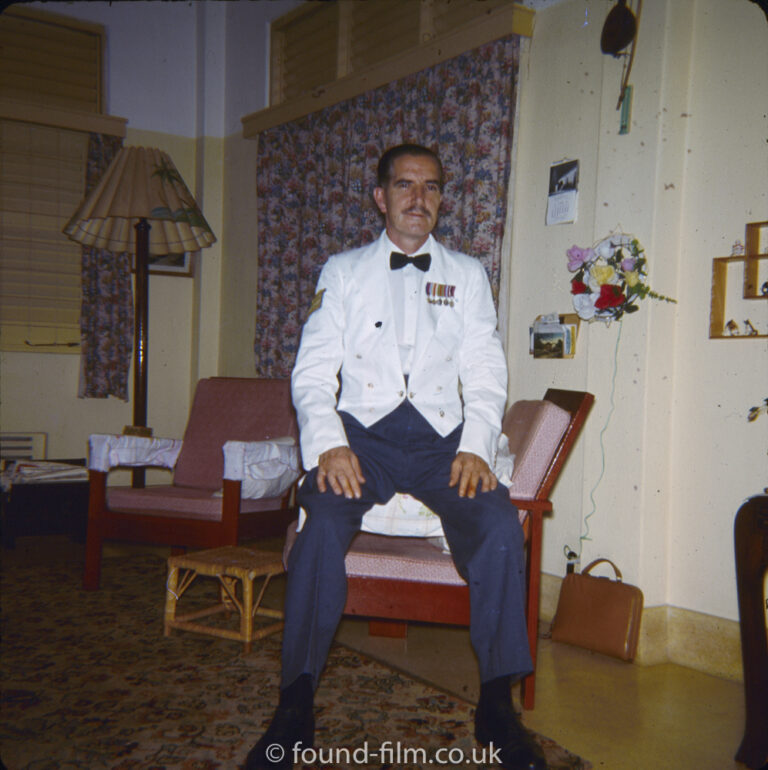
x=530, y=505
x=265, y=468
x=109, y=451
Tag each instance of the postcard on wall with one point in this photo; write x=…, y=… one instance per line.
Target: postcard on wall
x=562, y=203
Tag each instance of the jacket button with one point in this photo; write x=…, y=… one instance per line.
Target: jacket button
x=442, y=413
x=400, y=393
x=410, y=395
x=370, y=384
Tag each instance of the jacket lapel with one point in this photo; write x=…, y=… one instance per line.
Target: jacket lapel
x=430, y=317
x=372, y=281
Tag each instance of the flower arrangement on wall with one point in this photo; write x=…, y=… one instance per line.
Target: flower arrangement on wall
x=610, y=278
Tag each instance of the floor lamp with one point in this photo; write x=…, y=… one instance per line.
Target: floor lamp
x=142, y=206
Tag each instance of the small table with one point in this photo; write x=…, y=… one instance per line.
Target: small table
x=229, y=564
x=42, y=497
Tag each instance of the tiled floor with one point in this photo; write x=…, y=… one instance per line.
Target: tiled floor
x=619, y=716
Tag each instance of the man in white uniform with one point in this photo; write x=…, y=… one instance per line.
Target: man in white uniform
x=408, y=328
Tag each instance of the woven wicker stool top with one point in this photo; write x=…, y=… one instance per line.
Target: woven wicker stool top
x=232, y=560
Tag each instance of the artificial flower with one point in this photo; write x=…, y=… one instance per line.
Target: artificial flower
x=610, y=278
x=604, y=249
x=628, y=264
x=577, y=257
x=632, y=277
x=602, y=274
x=610, y=296
x=584, y=304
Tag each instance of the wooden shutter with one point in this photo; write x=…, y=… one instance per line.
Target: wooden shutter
x=317, y=44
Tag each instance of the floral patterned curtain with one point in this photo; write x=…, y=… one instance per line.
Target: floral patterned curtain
x=106, y=312
x=316, y=175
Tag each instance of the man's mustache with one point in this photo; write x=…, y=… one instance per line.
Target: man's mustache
x=418, y=210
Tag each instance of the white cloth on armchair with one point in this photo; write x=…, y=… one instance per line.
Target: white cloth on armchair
x=109, y=451
x=265, y=468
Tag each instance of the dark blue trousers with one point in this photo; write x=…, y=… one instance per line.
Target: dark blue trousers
x=403, y=453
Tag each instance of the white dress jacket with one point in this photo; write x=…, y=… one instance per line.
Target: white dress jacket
x=458, y=371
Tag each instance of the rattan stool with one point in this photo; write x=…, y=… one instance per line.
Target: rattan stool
x=229, y=564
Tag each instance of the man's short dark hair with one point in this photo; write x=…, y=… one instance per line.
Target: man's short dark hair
x=387, y=161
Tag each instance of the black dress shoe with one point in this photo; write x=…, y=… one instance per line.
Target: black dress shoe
x=498, y=724
x=291, y=730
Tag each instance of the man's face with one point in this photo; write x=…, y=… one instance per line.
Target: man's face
x=410, y=201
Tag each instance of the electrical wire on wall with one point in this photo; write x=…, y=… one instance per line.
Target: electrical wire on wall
x=574, y=557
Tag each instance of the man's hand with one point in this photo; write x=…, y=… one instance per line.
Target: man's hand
x=467, y=470
x=341, y=469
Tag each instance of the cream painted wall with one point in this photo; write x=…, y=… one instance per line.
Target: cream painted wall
x=679, y=454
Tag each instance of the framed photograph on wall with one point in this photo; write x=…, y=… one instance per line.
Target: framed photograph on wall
x=169, y=264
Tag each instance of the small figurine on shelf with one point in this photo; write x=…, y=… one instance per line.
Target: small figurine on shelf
x=732, y=328
x=749, y=329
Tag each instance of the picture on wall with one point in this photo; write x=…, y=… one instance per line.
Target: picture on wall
x=169, y=264
x=563, y=192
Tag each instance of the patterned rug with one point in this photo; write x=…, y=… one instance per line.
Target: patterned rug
x=89, y=681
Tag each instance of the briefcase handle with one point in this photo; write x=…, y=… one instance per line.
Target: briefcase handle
x=589, y=566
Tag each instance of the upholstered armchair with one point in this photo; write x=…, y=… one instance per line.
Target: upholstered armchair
x=233, y=474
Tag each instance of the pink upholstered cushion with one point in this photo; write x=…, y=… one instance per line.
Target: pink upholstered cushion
x=184, y=502
x=534, y=429
x=230, y=409
x=400, y=558
x=389, y=556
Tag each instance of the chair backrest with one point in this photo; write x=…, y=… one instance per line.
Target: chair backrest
x=541, y=434
x=231, y=409
x=577, y=403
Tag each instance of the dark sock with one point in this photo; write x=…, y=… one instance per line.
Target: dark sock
x=496, y=691
x=298, y=694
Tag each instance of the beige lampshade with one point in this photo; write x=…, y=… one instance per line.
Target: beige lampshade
x=141, y=182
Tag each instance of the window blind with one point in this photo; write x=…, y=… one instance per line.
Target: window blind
x=50, y=60
x=47, y=62
x=42, y=180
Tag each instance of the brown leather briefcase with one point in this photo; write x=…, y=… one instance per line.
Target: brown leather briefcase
x=598, y=613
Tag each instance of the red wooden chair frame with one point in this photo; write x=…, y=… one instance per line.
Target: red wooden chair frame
x=404, y=600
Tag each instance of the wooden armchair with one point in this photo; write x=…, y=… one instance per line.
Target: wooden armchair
x=210, y=502
x=408, y=578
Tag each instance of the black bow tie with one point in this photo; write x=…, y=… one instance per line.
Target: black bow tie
x=398, y=260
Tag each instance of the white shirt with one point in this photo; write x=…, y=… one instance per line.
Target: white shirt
x=405, y=286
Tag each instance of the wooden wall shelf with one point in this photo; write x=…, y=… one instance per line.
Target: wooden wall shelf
x=756, y=249
x=755, y=253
